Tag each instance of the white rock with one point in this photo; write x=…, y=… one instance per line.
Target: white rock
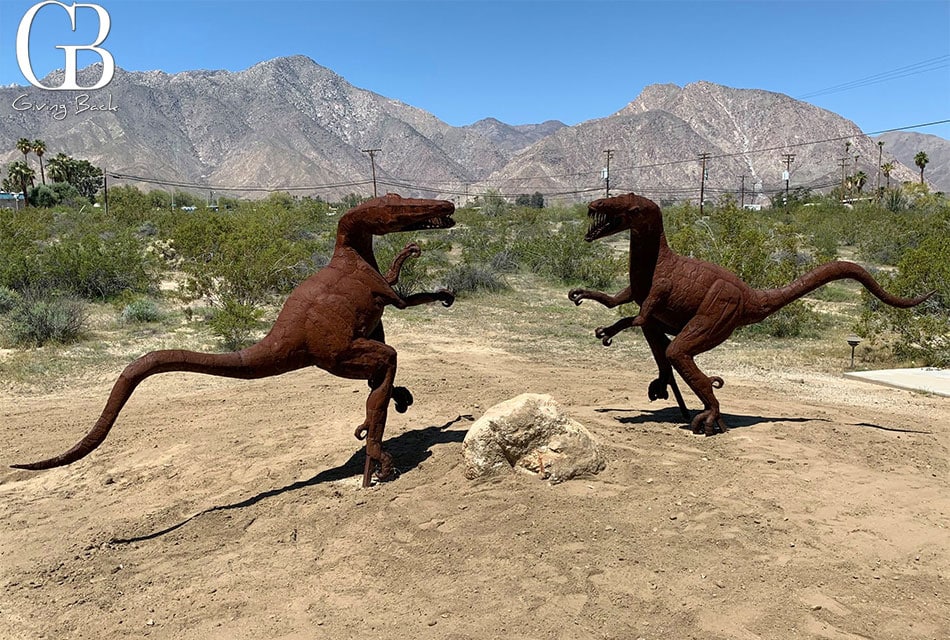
x=530, y=434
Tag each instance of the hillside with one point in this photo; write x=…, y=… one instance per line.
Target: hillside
x=290, y=123
x=904, y=145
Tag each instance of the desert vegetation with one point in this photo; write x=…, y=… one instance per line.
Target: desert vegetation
x=77, y=274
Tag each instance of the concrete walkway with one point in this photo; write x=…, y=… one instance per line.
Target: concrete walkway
x=926, y=379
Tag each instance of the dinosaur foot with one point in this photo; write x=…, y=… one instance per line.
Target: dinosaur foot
x=382, y=469
x=402, y=399
x=708, y=422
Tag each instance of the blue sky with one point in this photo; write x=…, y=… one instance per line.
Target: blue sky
x=882, y=64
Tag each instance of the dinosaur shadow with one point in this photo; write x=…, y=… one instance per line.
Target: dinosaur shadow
x=672, y=414
x=409, y=449
x=732, y=420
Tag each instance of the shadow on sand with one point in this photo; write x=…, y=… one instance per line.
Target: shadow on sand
x=408, y=449
x=732, y=420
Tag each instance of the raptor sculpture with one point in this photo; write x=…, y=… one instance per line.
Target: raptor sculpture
x=332, y=320
x=699, y=303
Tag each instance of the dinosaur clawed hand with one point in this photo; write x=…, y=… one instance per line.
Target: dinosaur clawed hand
x=446, y=296
x=402, y=399
x=604, y=334
x=708, y=422
x=577, y=296
x=657, y=389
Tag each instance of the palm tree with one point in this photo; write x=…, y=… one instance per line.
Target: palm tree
x=886, y=169
x=60, y=168
x=24, y=146
x=921, y=161
x=21, y=173
x=39, y=148
x=860, y=179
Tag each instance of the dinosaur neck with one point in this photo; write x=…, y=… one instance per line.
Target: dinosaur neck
x=359, y=241
x=645, y=254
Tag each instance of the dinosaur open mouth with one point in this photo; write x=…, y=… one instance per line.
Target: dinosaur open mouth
x=435, y=222
x=600, y=224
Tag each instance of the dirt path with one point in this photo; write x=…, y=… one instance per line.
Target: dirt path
x=227, y=509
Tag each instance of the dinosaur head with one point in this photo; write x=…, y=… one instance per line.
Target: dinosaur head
x=391, y=213
x=612, y=215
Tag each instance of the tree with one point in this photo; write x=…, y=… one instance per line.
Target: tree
x=21, y=173
x=921, y=161
x=39, y=148
x=80, y=173
x=860, y=179
x=24, y=146
x=886, y=169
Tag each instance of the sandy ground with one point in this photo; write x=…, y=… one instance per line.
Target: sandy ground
x=229, y=509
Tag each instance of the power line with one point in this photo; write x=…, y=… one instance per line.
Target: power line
x=932, y=64
x=462, y=188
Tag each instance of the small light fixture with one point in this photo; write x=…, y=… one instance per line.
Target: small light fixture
x=853, y=341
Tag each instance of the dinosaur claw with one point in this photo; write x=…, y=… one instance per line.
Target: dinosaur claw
x=361, y=432
x=607, y=341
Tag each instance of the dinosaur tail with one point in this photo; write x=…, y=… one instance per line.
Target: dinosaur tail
x=250, y=363
x=768, y=301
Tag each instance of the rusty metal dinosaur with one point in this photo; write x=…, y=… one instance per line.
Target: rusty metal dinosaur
x=698, y=302
x=332, y=320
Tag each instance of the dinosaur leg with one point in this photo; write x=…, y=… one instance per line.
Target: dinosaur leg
x=715, y=320
x=402, y=397
x=659, y=343
x=375, y=362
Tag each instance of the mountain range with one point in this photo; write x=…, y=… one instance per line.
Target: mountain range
x=291, y=124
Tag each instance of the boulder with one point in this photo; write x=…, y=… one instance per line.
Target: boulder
x=530, y=434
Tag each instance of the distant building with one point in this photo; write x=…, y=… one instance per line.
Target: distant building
x=11, y=200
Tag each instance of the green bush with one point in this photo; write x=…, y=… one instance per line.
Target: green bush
x=140, y=311
x=922, y=333
x=40, y=319
x=471, y=278
x=235, y=323
x=8, y=299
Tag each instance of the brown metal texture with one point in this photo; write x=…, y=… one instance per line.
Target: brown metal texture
x=332, y=320
x=697, y=302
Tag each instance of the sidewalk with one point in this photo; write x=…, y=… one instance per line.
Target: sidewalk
x=926, y=379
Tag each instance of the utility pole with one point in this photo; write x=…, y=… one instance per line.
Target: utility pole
x=610, y=154
x=702, y=185
x=372, y=159
x=105, y=190
x=843, y=163
x=880, y=159
x=742, y=191
x=787, y=158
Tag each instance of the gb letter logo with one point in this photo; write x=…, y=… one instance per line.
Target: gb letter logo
x=69, y=82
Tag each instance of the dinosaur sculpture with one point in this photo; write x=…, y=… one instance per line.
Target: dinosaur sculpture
x=699, y=303
x=332, y=320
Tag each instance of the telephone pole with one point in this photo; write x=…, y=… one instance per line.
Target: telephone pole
x=742, y=191
x=702, y=185
x=880, y=159
x=787, y=158
x=372, y=159
x=610, y=154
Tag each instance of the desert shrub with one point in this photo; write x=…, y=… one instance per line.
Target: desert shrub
x=922, y=333
x=38, y=319
x=472, y=278
x=562, y=254
x=8, y=299
x=248, y=255
x=235, y=322
x=97, y=268
x=140, y=310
